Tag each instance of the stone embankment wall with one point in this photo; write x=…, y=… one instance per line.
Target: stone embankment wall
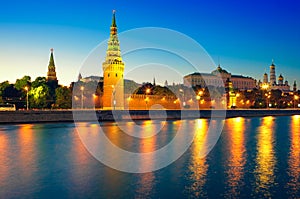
x=91, y=115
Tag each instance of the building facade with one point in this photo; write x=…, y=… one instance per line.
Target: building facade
x=218, y=78
x=113, y=69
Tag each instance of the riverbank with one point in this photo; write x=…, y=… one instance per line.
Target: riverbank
x=106, y=115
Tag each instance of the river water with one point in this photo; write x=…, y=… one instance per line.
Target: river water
x=255, y=157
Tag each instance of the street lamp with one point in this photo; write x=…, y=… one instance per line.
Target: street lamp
x=82, y=89
x=296, y=97
x=268, y=96
x=27, y=102
x=147, y=92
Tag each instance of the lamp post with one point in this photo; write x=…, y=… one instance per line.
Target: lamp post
x=147, y=92
x=268, y=96
x=82, y=89
x=27, y=102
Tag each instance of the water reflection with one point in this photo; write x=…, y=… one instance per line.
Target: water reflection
x=294, y=157
x=4, y=158
x=198, y=165
x=236, y=161
x=42, y=159
x=27, y=151
x=265, y=159
x=145, y=182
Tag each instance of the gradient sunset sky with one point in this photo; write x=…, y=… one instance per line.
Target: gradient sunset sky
x=244, y=35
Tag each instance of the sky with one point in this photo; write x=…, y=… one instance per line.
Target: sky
x=243, y=36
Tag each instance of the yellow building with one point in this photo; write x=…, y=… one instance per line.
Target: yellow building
x=113, y=69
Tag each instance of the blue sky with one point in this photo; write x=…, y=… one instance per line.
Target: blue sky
x=245, y=35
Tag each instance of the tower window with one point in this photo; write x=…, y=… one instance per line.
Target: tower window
x=116, y=74
x=108, y=75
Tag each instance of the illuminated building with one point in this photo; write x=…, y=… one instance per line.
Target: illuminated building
x=231, y=99
x=218, y=78
x=272, y=85
x=113, y=69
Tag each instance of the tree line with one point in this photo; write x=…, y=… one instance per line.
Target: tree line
x=42, y=94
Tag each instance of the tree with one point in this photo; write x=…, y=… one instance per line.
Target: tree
x=39, y=81
x=39, y=94
x=38, y=97
x=3, y=86
x=63, y=98
x=23, y=82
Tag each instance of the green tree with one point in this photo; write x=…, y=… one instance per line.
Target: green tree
x=39, y=81
x=3, y=86
x=38, y=97
x=63, y=98
x=23, y=82
x=39, y=94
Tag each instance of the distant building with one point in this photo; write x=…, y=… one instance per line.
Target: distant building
x=272, y=84
x=218, y=78
x=91, y=78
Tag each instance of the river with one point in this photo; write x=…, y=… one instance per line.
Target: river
x=256, y=157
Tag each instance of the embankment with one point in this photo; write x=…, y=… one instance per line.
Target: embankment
x=105, y=115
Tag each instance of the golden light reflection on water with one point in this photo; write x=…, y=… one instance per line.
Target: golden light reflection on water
x=198, y=166
x=146, y=180
x=294, y=156
x=265, y=159
x=4, y=158
x=27, y=151
x=237, y=155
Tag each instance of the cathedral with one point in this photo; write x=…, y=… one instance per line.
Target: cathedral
x=113, y=69
x=273, y=84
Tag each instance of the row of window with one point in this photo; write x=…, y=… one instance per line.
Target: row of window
x=108, y=75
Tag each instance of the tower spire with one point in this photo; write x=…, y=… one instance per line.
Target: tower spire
x=114, y=24
x=113, y=50
x=51, y=74
x=51, y=61
x=273, y=62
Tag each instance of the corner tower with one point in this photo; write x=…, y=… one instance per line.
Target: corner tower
x=113, y=69
x=51, y=74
